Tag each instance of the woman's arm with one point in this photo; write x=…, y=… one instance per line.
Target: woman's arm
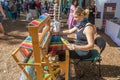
x=89, y=32
x=65, y=32
x=68, y=31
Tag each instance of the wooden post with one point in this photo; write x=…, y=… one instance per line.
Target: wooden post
x=33, y=30
x=67, y=65
x=21, y=67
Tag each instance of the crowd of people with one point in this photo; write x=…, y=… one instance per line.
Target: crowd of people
x=12, y=10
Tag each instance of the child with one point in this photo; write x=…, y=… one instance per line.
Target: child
x=71, y=22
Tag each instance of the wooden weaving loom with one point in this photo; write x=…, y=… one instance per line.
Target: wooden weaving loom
x=38, y=57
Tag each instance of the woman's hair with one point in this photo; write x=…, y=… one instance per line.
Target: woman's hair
x=92, y=1
x=80, y=11
x=74, y=1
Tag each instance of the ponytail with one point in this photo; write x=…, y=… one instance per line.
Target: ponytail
x=79, y=11
x=86, y=12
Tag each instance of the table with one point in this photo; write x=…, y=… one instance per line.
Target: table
x=113, y=31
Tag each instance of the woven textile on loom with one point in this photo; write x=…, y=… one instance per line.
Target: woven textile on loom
x=38, y=21
x=30, y=70
x=26, y=49
x=26, y=46
x=56, y=45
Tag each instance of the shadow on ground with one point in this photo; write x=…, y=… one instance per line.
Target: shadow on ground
x=18, y=25
x=84, y=71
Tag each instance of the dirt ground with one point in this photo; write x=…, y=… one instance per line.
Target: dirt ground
x=17, y=32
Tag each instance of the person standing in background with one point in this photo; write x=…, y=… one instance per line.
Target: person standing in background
x=38, y=5
x=6, y=4
x=13, y=10
x=92, y=13
x=46, y=7
x=26, y=5
x=18, y=7
x=32, y=9
x=67, y=8
x=71, y=22
x=2, y=15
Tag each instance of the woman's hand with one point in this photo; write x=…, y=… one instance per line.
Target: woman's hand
x=71, y=46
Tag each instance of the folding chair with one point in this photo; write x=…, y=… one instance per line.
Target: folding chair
x=96, y=54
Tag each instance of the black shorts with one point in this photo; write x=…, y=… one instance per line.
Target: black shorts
x=74, y=55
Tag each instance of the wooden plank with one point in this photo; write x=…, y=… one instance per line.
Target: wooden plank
x=36, y=50
x=67, y=65
x=41, y=37
x=21, y=67
x=49, y=66
x=38, y=64
x=15, y=52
